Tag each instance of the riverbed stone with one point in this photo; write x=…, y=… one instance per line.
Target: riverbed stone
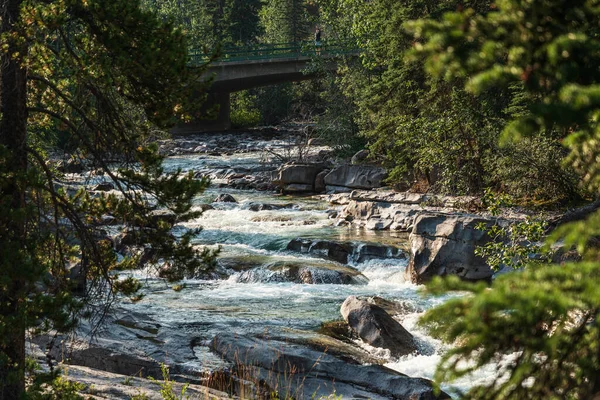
x=320, y=185
x=366, y=252
x=162, y=216
x=225, y=198
x=299, y=372
x=376, y=327
x=345, y=252
x=359, y=157
x=335, y=251
x=269, y=206
x=104, y=187
x=356, y=176
x=444, y=244
x=100, y=384
x=303, y=272
x=297, y=173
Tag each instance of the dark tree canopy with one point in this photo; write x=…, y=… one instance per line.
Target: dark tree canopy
x=98, y=76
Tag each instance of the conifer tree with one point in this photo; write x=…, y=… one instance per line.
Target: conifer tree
x=102, y=73
x=540, y=327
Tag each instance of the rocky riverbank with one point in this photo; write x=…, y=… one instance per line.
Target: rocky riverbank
x=305, y=244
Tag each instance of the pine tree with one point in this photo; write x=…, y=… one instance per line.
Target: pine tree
x=540, y=327
x=102, y=74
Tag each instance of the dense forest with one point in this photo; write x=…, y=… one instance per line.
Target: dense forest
x=498, y=99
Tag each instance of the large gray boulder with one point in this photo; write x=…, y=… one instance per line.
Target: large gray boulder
x=444, y=244
x=356, y=177
x=297, y=177
x=127, y=343
x=295, y=371
x=376, y=327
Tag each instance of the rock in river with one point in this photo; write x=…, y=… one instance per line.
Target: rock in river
x=356, y=177
x=376, y=327
x=443, y=244
x=298, y=372
x=225, y=198
x=308, y=273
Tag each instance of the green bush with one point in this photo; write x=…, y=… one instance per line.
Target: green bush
x=244, y=111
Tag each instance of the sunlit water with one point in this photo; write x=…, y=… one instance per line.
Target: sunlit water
x=205, y=308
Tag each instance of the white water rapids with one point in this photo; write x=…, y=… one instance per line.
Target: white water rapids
x=204, y=308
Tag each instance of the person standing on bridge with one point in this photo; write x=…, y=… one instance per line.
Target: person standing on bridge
x=318, y=41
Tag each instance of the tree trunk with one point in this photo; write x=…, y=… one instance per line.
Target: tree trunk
x=13, y=135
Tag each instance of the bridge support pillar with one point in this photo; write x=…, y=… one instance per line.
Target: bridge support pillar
x=218, y=105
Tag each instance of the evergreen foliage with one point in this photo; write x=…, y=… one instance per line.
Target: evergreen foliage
x=540, y=326
x=429, y=130
x=102, y=75
x=210, y=23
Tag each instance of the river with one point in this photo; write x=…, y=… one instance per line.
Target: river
x=260, y=303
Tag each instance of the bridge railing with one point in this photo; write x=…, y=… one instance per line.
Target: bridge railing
x=279, y=50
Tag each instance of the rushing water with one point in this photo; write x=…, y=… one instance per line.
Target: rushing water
x=204, y=308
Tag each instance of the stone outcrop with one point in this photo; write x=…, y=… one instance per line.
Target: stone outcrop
x=355, y=177
x=345, y=252
x=269, y=206
x=100, y=385
x=225, y=198
x=297, y=177
x=127, y=343
x=387, y=210
x=335, y=251
x=304, y=272
x=376, y=327
x=360, y=157
x=444, y=244
x=104, y=187
x=164, y=216
x=295, y=371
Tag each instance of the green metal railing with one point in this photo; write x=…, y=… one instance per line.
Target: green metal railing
x=278, y=51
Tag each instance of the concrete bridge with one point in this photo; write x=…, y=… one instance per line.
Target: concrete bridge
x=242, y=69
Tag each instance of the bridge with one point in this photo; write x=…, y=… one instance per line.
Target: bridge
x=262, y=65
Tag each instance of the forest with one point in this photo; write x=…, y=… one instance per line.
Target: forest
x=497, y=102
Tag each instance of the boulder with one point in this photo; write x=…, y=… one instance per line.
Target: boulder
x=395, y=307
x=107, y=385
x=166, y=216
x=128, y=343
x=335, y=251
x=268, y=206
x=77, y=277
x=360, y=157
x=107, y=220
x=104, y=187
x=345, y=252
x=225, y=198
x=294, y=371
x=376, y=327
x=356, y=176
x=444, y=244
x=306, y=273
x=366, y=252
x=297, y=173
x=127, y=237
x=320, y=186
